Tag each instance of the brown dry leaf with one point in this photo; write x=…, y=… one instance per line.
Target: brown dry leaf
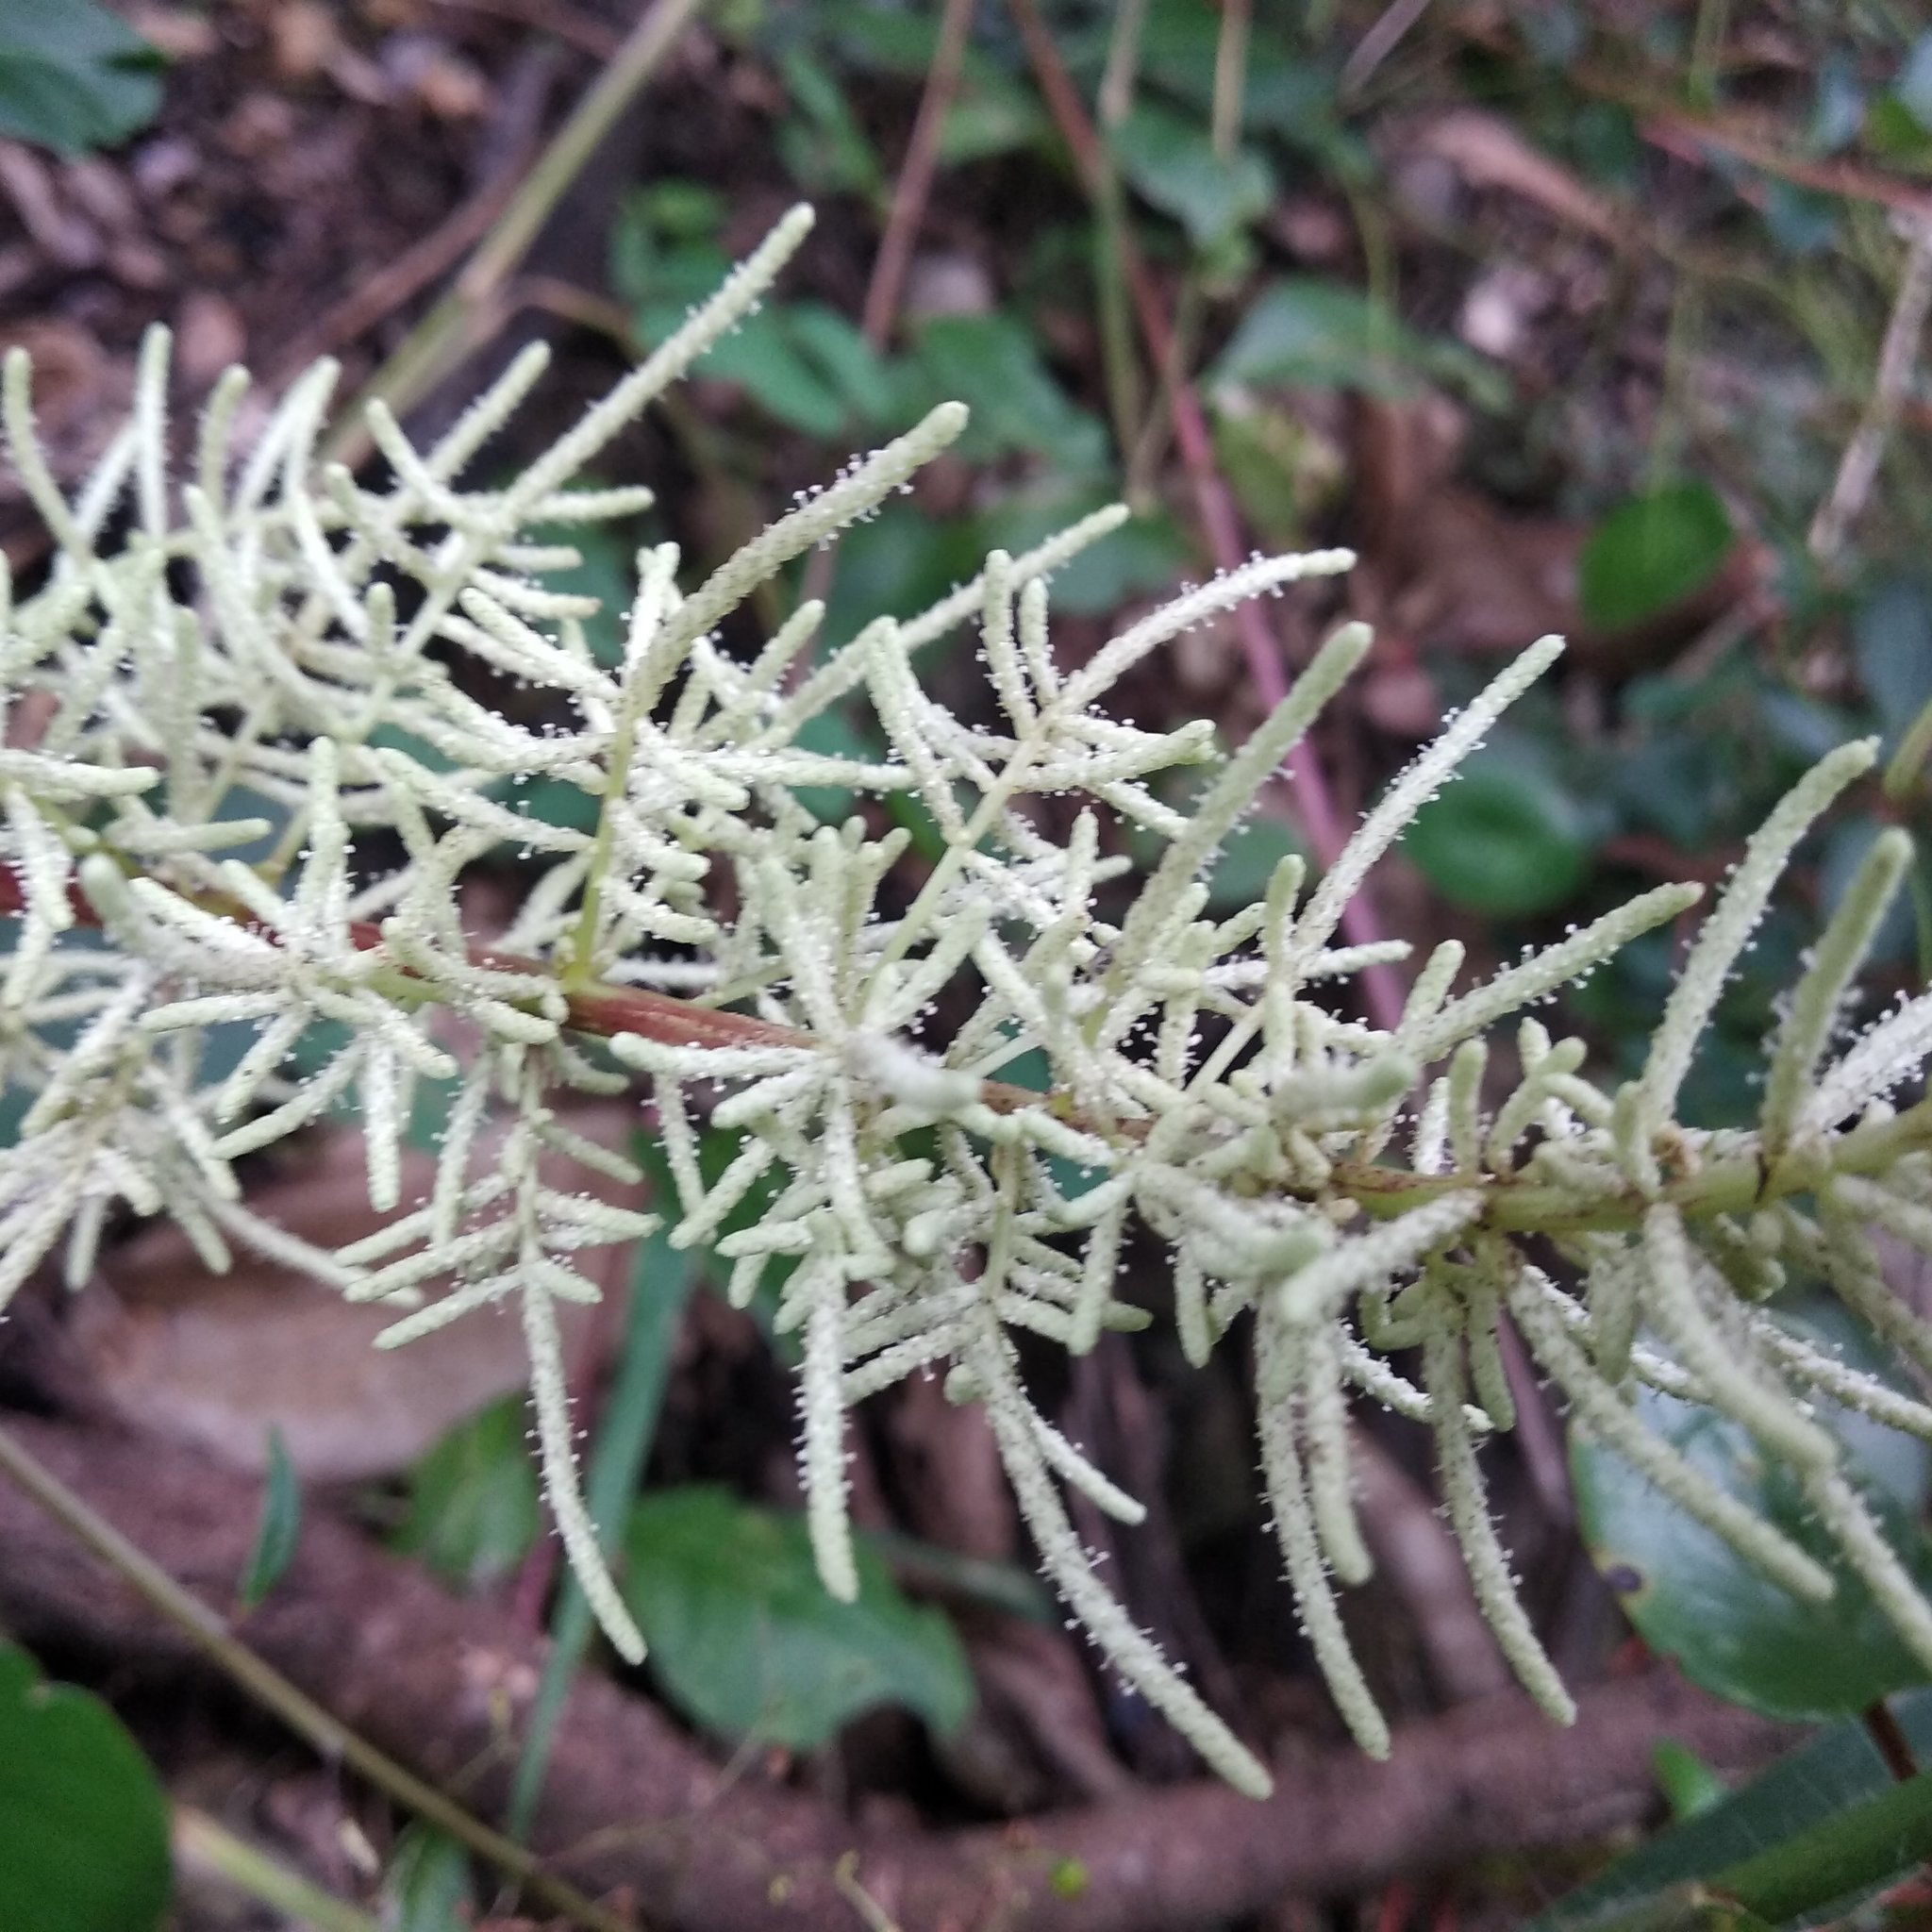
x=1445, y=568
x=305, y=38
x=182, y=35
x=1439, y=565
x=64, y=235
x=1488, y=152
x=209, y=337
x=218, y=1360
x=81, y=394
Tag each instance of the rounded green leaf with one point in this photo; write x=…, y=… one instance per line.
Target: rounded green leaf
x=83, y=1821
x=1503, y=839
x=1730, y=1629
x=746, y=1641
x=1650, y=551
x=1170, y=160
x=473, y=1507
x=73, y=76
x=1247, y=861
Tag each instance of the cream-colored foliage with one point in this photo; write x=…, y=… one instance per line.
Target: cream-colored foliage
x=274, y=651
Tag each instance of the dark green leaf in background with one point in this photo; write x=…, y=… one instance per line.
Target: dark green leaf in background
x=994, y=365
x=474, y=1505
x=71, y=76
x=1845, y=846
x=1309, y=333
x=280, y=1529
x=1891, y=647
x=83, y=1820
x=1504, y=838
x=1247, y=862
x=1730, y=1627
x=1837, y=1772
x=746, y=1641
x=1170, y=160
x=1650, y=553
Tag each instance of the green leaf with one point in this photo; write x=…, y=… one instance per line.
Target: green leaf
x=1896, y=134
x=991, y=114
x=1891, y=647
x=1247, y=862
x=1839, y=1860
x=992, y=364
x=1689, y=1785
x=1835, y=1772
x=1693, y=1598
x=83, y=1818
x=761, y=355
x=1308, y=332
x=473, y=1507
x=1171, y=161
x=823, y=146
x=427, y=1887
x=1650, y=553
x=1912, y=90
x=746, y=1641
x=71, y=76
x=831, y=733
x=1503, y=838
x=280, y=1529
x=552, y=801
x=849, y=364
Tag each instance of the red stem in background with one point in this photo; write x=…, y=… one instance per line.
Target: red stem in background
x=1219, y=522
x=914, y=185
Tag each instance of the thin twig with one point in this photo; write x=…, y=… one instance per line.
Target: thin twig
x=584, y=31
x=1377, y=45
x=1219, y=523
x=436, y=342
x=910, y=194
x=1859, y=467
x=1230, y=76
x=401, y=281
x=327, y=1733
x=913, y=188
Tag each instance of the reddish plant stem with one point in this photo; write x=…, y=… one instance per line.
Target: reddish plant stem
x=914, y=185
x=600, y=1009
x=1889, y=1737
x=1213, y=504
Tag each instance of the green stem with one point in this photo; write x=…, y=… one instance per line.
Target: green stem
x=326, y=1732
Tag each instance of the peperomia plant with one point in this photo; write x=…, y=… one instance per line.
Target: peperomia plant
x=276, y=629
